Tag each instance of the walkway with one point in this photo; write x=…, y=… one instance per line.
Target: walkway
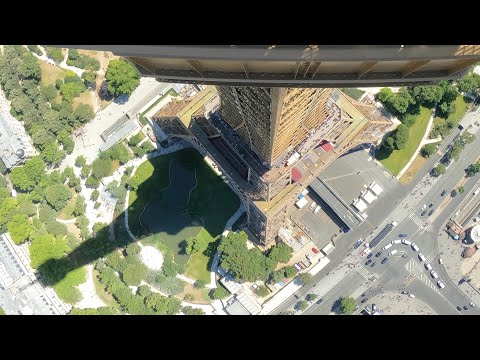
x=422, y=143
x=69, y=221
x=62, y=65
x=90, y=298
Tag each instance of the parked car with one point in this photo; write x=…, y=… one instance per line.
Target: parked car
x=378, y=254
x=434, y=274
x=402, y=235
x=431, y=212
x=428, y=267
x=440, y=284
x=319, y=301
x=406, y=242
x=411, y=295
x=423, y=213
x=421, y=257
x=440, y=261
x=373, y=264
x=317, y=209
x=312, y=205
x=424, y=206
x=453, y=193
x=431, y=204
x=465, y=307
x=384, y=260
x=415, y=247
x=368, y=262
x=459, y=308
x=396, y=242
x=393, y=252
x=364, y=299
x=358, y=243
x=387, y=246
x=369, y=255
x=472, y=304
x=443, y=192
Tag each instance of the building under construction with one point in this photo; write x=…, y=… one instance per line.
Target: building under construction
x=272, y=142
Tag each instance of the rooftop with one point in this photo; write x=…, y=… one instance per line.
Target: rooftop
x=12, y=148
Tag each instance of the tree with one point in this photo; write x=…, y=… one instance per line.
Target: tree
x=461, y=189
x=50, y=92
x=262, y=291
x=90, y=77
x=456, y=150
x=438, y=170
x=80, y=161
x=133, y=249
x=86, y=169
x=469, y=83
x=19, y=228
x=29, y=68
x=134, y=273
x=92, y=182
x=302, y=305
x=473, y=169
x=58, y=84
x=467, y=138
x=311, y=297
x=400, y=101
x=290, y=272
x=390, y=143
x=384, y=94
x=84, y=113
x=119, y=152
x=219, y=293
x=56, y=228
x=188, y=310
x=281, y=253
x=80, y=206
x=133, y=182
x=122, y=77
x=427, y=95
x=428, y=150
x=27, y=176
x=196, y=244
x=94, y=195
x=199, y=284
x=401, y=136
x=55, y=54
x=347, y=305
x=101, y=168
x=135, y=139
x=52, y=154
x=57, y=196
x=305, y=278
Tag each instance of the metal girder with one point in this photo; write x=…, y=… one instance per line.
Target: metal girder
x=414, y=66
x=245, y=69
x=366, y=67
x=196, y=66
x=462, y=64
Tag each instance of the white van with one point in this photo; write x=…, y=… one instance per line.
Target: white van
x=396, y=242
x=317, y=209
x=476, y=191
x=393, y=252
x=406, y=242
x=440, y=284
x=415, y=247
x=421, y=257
x=313, y=205
x=434, y=274
x=428, y=267
x=387, y=246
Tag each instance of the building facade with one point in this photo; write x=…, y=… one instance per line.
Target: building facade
x=272, y=142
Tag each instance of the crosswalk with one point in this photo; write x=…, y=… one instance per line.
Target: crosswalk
x=364, y=272
x=418, y=271
x=424, y=226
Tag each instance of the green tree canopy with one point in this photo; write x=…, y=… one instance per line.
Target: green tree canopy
x=428, y=150
x=188, y=310
x=196, y=244
x=57, y=196
x=401, y=136
x=19, y=228
x=80, y=161
x=84, y=113
x=122, y=77
x=438, y=170
x=27, y=176
x=347, y=305
x=306, y=278
x=281, y=253
x=473, y=169
x=134, y=273
x=101, y=168
x=384, y=94
x=311, y=297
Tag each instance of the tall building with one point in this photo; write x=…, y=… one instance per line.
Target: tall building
x=272, y=142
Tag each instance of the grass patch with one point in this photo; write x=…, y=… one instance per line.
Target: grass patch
x=460, y=110
x=353, y=93
x=50, y=73
x=397, y=159
x=197, y=266
x=115, y=166
x=85, y=98
x=66, y=213
x=105, y=296
x=416, y=165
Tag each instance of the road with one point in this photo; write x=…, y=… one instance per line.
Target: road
x=407, y=212
x=88, y=144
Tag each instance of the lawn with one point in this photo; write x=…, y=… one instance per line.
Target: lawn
x=198, y=267
x=416, y=165
x=50, y=73
x=178, y=194
x=397, y=159
x=460, y=109
x=105, y=296
x=66, y=213
x=85, y=98
x=353, y=93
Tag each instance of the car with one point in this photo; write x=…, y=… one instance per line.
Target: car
x=378, y=254
x=421, y=257
x=471, y=304
x=411, y=295
x=368, y=262
x=440, y=261
x=453, y=193
x=357, y=307
x=434, y=274
x=406, y=242
x=319, y=301
x=443, y=192
x=428, y=267
x=363, y=295
x=367, y=251
x=387, y=246
x=424, y=207
x=312, y=205
x=402, y=235
x=309, y=257
x=459, y=308
x=415, y=247
x=431, y=204
x=315, y=250
x=296, y=296
x=440, y=284
x=317, y=209
x=423, y=213
x=373, y=264
x=396, y=242
x=393, y=252
x=431, y=212
x=465, y=307
x=369, y=255
x=384, y=260
x=404, y=255
x=358, y=243
x=364, y=300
